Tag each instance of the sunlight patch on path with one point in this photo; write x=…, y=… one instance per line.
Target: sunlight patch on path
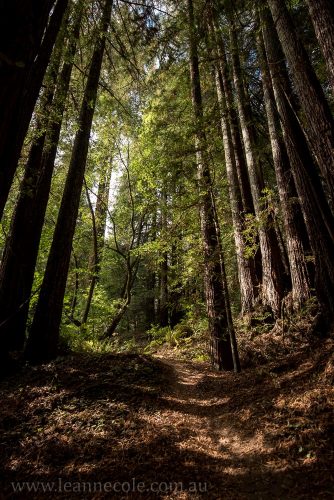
x=202, y=421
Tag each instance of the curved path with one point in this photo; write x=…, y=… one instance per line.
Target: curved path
x=160, y=428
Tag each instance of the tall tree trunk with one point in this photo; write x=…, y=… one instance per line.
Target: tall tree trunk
x=246, y=268
x=237, y=142
x=74, y=301
x=316, y=112
x=23, y=98
x=44, y=333
x=234, y=345
x=221, y=352
x=25, y=21
x=163, y=302
x=99, y=218
x=176, y=292
x=317, y=215
x=272, y=269
x=322, y=15
x=286, y=188
x=149, y=307
x=21, y=250
x=125, y=300
x=232, y=115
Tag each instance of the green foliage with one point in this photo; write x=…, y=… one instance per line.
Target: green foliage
x=119, y=345
x=251, y=235
x=188, y=337
x=144, y=128
x=252, y=223
x=83, y=340
x=158, y=337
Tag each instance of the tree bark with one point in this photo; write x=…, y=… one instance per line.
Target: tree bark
x=317, y=215
x=316, y=112
x=44, y=333
x=149, y=306
x=286, y=188
x=25, y=21
x=233, y=338
x=20, y=92
x=221, y=352
x=21, y=250
x=132, y=269
x=163, y=302
x=322, y=15
x=272, y=269
x=177, y=313
x=151, y=302
x=99, y=218
x=246, y=268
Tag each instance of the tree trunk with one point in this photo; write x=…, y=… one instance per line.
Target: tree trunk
x=246, y=267
x=317, y=215
x=25, y=21
x=99, y=218
x=237, y=142
x=286, y=189
x=322, y=15
x=23, y=94
x=149, y=307
x=316, y=112
x=163, y=302
x=272, y=269
x=177, y=289
x=74, y=301
x=221, y=352
x=132, y=269
x=234, y=345
x=44, y=333
x=232, y=115
x=21, y=250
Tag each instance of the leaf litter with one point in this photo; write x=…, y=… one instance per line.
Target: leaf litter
x=265, y=433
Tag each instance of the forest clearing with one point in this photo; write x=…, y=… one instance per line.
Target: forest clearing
x=166, y=249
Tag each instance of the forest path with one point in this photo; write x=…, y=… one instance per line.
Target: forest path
x=210, y=418
x=260, y=434
x=161, y=428
x=210, y=425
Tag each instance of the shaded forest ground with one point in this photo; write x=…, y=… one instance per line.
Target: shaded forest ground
x=266, y=433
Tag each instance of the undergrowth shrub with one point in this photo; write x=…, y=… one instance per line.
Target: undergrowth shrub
x=260, y=343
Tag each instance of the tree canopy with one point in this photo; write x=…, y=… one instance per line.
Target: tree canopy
x=165, y=165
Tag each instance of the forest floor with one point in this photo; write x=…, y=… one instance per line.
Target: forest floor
x=157, y=427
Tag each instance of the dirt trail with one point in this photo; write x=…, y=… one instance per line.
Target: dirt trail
x=254, y=433
x=169, y=429
x=199, y=401
x=205, y=397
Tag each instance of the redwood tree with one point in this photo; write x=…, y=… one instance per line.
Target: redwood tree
x=44, y=334
x=23, y=70
x=319, y=122
x=286, y=189
x=21, y=250
x=322, y=15
x=272, y=268
x=317, y=214
x=215, y=288
x=246, y=268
